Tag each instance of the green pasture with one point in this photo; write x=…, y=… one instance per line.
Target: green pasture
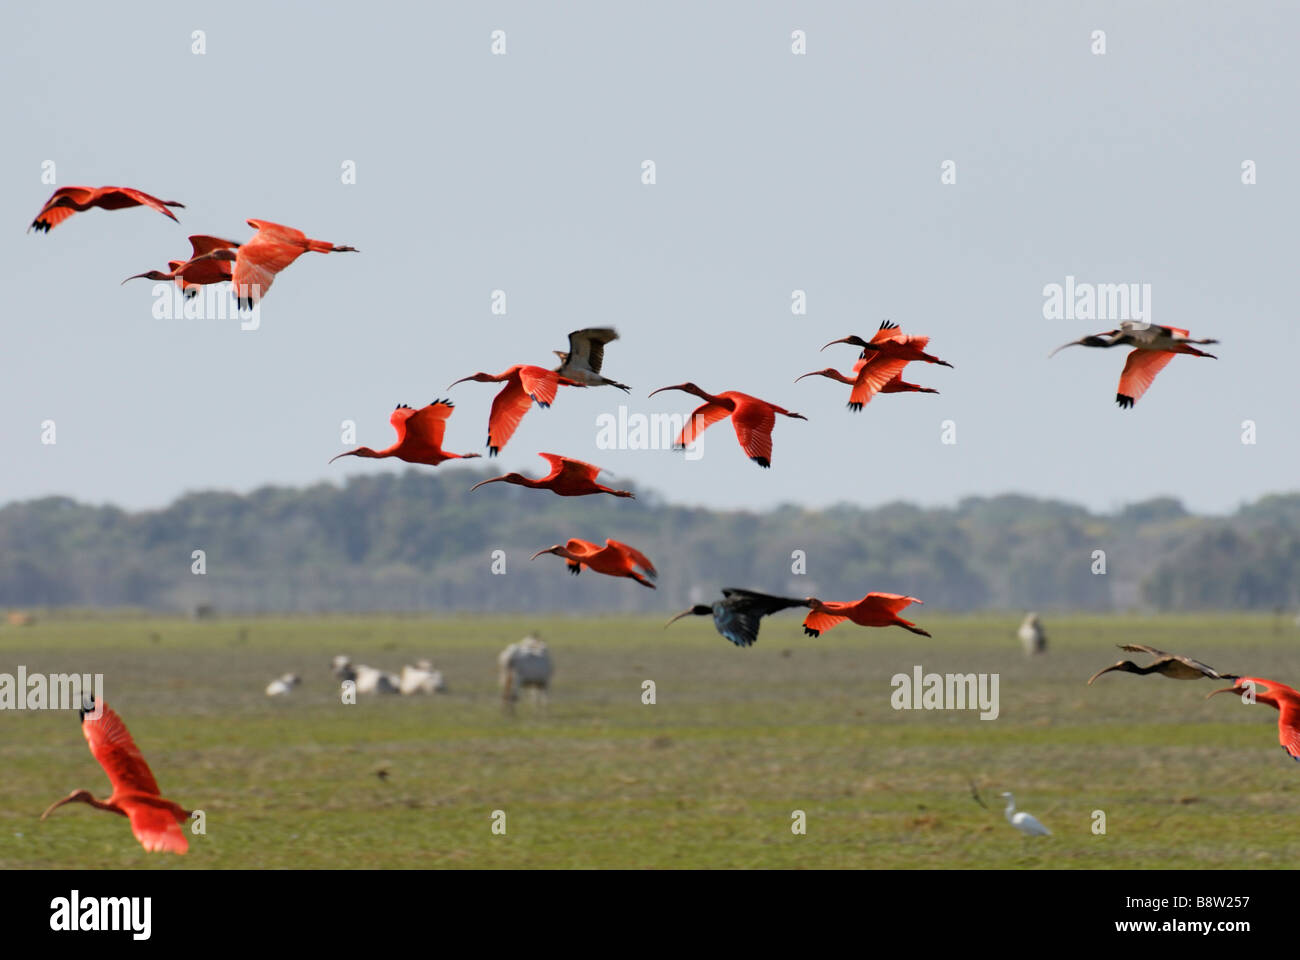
x=708, y=776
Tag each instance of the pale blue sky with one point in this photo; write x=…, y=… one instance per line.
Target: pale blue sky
x=775, y=172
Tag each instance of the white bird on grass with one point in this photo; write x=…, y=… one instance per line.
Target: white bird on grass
x=1026, y=823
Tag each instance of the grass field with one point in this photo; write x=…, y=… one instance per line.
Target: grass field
x=706, y=777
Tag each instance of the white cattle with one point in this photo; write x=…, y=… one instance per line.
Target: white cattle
x=421, y=678
x=283, y=685
x=525, y=664
x=367, y=679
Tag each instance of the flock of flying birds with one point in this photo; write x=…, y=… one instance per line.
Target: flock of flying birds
x=251, y=267
x=1283, y=699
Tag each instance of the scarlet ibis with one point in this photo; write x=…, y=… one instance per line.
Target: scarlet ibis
x=736, y=616
x=523, y=385
x=1172, y=665
x=1026, y=823
x=271, y=250
x=568, y=478
x=890, y=343
x=66, y=201
x=1280, y=697
x=1032, y=636
x=752, y=418
x=1155, y=345
x=873, y=610
x=419, y=436
x=155, y=821
x=866, y=381
x=614, y=559
x=198, y=270
x=581, y=362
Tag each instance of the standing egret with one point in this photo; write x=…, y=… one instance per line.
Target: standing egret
x=1026, y=823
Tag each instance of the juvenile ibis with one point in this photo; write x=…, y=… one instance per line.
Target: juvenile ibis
x=1172, y=665
x=736, y=616
x=581, y=362
x=1155, y=347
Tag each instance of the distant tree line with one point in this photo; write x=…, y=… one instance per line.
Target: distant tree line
x=418, y=541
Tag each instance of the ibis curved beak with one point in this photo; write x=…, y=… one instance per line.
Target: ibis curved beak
x=660, y=390
x=856, y=341
x=684, y=613
x=1072, y=343
x=481, y=482
x=815, y=373
x=1099, y=673
x=1233, y=689
x=54, y=806
x=347, y=453
x=1094, y=340
x=540, y=552
x=461, y=380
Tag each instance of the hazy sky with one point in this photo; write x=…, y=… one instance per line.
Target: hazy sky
x=775, y=172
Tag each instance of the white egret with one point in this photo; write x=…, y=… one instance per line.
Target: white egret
x=1026, y=823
